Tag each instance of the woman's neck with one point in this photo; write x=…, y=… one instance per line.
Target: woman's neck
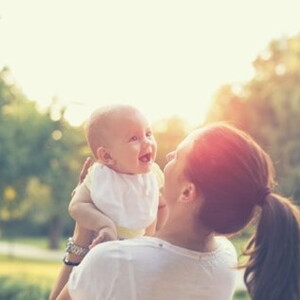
x=187, y=236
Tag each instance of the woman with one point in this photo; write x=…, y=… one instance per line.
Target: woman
x=215, y=182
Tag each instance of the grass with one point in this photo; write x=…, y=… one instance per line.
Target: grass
x=42, y=273
x=11, y=289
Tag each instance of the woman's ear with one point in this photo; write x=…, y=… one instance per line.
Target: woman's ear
x=104, y=157
x=188, y=193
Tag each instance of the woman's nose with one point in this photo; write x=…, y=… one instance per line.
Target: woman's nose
x=168, y=156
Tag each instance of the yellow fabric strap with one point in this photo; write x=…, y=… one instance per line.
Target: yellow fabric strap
x=126, y=233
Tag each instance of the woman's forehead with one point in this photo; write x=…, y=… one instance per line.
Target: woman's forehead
x=194, y=135
x=185, y=145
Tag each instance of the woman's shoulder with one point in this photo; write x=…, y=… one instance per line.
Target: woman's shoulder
x=123, y=246
x=224, y=241
x=226, y=247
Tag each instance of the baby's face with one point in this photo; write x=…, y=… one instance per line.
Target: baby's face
x=131, y=144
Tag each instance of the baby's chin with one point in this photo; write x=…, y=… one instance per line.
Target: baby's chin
x=141, y=169
x=146, y=171
x=144, y=168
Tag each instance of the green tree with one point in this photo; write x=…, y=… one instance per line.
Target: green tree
x=66, y=148
x=40, y=157
x=18, y=118
x=268, y=107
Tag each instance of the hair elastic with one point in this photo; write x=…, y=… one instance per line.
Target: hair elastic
x=262, y=194
x=70, y=263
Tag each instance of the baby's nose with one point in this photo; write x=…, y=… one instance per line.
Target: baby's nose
x=147, y=142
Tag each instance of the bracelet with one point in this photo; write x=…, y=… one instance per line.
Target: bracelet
x=69, y=263
x=75, y=249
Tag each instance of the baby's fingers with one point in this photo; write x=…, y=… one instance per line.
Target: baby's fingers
x=99, y=239
x=88, y=162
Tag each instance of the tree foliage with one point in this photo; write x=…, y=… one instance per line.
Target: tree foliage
x=41, y=154
x=268, y=107
x=40, y=157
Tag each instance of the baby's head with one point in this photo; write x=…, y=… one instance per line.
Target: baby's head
x=120, y=137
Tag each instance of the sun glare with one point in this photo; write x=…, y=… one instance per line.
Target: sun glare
x=167, y=58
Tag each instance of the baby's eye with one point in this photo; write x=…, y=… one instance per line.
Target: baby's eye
x=133, y=139
x=148, y=133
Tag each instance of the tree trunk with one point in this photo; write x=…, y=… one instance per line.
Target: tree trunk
x=55, y=232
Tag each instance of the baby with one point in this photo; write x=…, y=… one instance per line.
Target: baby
x=119, y=197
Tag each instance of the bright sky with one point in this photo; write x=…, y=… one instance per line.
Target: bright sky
x=167, y=57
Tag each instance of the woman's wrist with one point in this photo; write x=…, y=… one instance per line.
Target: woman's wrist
x=73, y=257
x=74, y=253
x=70, y=262
x=76, y=249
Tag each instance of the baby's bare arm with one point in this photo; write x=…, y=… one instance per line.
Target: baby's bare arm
x=85, y=213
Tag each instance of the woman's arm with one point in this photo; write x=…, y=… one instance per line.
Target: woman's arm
x=83, y=238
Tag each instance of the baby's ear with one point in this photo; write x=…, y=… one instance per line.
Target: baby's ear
x=104, y=157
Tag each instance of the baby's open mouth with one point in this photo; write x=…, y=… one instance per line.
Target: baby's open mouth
x=145, y=158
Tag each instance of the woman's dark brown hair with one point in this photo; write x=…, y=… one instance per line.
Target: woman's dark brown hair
x=235, y=177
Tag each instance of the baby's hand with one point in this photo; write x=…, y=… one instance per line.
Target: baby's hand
x=104, y=235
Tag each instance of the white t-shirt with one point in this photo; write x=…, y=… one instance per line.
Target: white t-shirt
x=149, y=268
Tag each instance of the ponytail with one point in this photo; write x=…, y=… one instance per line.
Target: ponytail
x=273, y=269
x=234, y=176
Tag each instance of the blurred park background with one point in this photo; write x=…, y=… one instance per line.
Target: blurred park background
x=42, y=150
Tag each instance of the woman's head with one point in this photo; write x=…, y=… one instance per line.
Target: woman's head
x=232, y=173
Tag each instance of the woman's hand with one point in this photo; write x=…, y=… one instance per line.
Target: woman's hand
x=84, y=170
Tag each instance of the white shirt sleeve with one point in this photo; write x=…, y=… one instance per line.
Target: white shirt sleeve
x=106, y=273
x=90, y=280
